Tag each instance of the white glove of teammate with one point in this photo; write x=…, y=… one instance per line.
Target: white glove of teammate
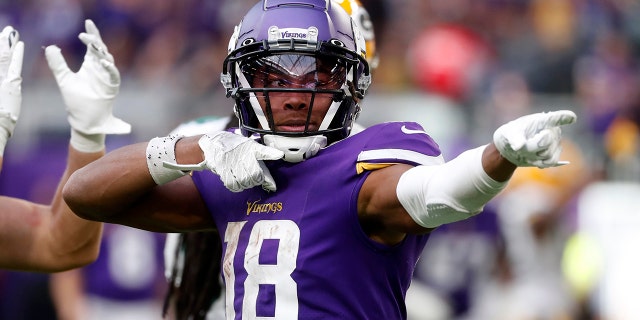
x=11, y=55
x=236, y=159
x=533, y=140
x=89, y=93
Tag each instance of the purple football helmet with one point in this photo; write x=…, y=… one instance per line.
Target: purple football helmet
x=312, y=47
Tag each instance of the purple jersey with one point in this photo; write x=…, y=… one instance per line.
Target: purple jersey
x=300, y=252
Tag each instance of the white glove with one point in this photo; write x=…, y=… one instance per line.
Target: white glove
x=11, y=56
x=533, y=140
x=89, y=93
x=236, y=159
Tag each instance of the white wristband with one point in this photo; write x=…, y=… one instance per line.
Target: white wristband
x=88, y=143
x=4, y=138
x=3, y=142
x=7, y=124
x=159, y=150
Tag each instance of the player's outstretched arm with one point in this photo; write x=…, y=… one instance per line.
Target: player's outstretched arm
x=417, y=199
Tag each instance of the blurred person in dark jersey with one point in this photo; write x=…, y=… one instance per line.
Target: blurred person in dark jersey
x=315, y=222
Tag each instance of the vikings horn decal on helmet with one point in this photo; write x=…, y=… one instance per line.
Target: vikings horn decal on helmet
x=282, y=47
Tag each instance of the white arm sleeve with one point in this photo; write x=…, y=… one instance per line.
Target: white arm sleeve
x=450, y=192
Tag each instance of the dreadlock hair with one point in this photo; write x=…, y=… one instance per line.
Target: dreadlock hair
x=199, y=286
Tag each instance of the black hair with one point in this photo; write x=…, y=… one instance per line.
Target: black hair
x=200, y=283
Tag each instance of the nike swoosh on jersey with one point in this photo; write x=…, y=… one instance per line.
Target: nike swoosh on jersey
x=406, y=130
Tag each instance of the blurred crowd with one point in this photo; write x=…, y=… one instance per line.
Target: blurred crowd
x=557, y=244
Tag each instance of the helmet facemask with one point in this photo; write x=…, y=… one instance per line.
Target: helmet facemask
x=320, y=78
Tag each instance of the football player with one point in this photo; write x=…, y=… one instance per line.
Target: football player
x=192, y=265
x=315, y=222
x=50, y=238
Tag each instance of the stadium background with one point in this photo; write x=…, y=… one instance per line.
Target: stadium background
x=458, y=67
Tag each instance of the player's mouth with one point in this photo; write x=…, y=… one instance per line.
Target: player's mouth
x=295, y=126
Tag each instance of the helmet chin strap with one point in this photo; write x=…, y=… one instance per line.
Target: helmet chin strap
x=296, y=149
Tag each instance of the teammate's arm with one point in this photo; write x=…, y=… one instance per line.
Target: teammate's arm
x=50, y=238
x=11, y=55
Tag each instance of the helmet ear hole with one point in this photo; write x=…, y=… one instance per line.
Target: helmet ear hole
x=247, y=41
x=337, y=42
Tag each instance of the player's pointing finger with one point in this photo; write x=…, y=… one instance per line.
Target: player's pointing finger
x=560, y=118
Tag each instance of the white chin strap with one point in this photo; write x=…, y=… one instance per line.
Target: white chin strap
x=296, y=149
